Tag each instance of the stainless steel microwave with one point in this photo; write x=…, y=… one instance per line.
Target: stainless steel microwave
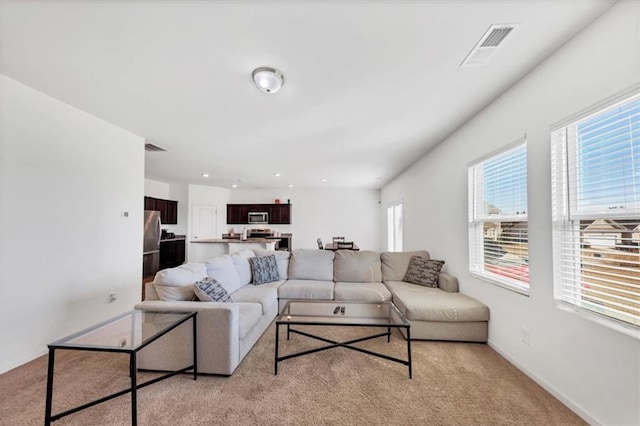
x=258, y=217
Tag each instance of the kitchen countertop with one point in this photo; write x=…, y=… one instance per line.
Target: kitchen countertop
x=235, y=241
x=176, y=238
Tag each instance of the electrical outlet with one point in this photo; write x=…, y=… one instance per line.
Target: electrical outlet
x=124, y=214
x=112, y=297
x=525, y=336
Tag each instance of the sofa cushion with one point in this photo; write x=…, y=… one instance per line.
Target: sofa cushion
x=307, y=264
x=265, y=295
x=282, y=259
x=395, y=264
x=306, y=289
x=177, y=283
x=210, y=290
x=264, y=269
x=423, y=271
x=357, y=266
x=361, y=292
x=224, y=271
x=419, y=303
x=241, y=263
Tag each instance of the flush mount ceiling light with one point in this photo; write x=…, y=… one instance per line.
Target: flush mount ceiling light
x=269, y=80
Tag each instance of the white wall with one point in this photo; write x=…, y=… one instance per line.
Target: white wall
x=594, y=370
x=65, y=178
x=323, y=213
x=171, y=191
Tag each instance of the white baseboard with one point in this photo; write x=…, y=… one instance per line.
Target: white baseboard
x=24, y=361
x=548, y=387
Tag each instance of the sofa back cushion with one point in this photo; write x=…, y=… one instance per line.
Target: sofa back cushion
x=177, y=283
x=308, y=264
x=223, y=270
x=241, y=263
x=357, y=266
x=282, y=259
x=395, y=264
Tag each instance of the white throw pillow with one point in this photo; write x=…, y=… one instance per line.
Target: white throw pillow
x=222, y=269
x=241, y=262
x=188, y=273
x=177, y=283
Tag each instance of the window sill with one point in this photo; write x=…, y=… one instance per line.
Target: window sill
x=607, y=322
x=504, y=283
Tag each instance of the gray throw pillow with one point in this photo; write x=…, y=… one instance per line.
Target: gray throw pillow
x=423, y=271
x=264, y=269
x=210, y=290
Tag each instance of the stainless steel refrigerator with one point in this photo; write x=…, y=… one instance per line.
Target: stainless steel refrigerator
x=151, y=250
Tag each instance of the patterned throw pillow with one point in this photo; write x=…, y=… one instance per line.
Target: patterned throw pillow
x=423, y=271
x=264, y=269
x=210, y=290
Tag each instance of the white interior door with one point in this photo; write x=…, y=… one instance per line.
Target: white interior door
x=205, y=222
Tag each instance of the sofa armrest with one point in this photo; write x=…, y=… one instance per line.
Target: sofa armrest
x=448, y=283
x=218, y=335
x=150, y=292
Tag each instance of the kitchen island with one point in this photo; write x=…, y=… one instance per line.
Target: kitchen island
x=201, y=250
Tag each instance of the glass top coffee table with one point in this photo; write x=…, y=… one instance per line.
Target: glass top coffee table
x=126, y=333
x=384, y=315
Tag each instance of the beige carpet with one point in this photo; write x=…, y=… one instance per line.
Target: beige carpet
x=453, y=384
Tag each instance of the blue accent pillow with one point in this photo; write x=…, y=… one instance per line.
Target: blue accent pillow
x=210, y=290
x=264, y=269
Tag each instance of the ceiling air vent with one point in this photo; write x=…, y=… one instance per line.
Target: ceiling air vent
x=152, y=147
x=487, y=45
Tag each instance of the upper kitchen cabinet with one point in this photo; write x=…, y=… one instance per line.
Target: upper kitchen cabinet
x=279, y=214
x=237, y=214
x=168, y=209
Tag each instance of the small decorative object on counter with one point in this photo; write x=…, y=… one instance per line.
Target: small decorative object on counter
x=288, y=201
x=277, y=200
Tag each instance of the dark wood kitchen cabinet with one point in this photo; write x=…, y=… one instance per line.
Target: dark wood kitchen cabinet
x=168, y=209
x=279, y=214
x=172, y=253
x=237, y=214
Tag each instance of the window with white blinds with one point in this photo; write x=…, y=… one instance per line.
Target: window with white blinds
x=498, y=228
x=596, y=212
x=394, y=226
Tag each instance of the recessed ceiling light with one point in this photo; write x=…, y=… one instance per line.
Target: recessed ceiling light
x=276, y=174
x=205, y=175
x=290, y=185
x=234, y=186
x=323, y=180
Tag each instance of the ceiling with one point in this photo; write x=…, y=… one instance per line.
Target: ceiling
x=370, y=86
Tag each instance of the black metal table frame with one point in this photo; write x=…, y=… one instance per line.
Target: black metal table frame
x=347, y=344
x=132, y=371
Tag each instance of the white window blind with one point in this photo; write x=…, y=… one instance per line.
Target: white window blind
x=596, y=212
x=394, y=226
x=498, y=228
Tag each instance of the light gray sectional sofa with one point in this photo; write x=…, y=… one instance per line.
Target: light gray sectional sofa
x=227, y=331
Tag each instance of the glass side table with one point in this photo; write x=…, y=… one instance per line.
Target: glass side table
x=126, y=333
